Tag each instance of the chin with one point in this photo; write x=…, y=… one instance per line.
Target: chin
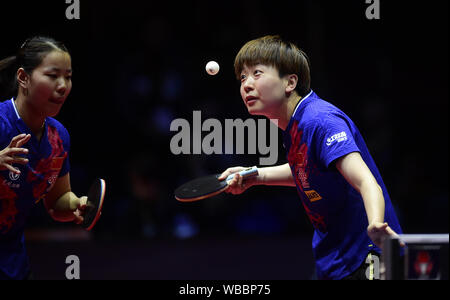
x=53, y=113
x=256, y=111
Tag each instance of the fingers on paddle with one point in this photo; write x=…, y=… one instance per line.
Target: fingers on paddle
x=240, y=179
x=230, y=171
x=78, y=217
x=83, y=203
x=235, y=181
x=224, y=174
x=235, y=186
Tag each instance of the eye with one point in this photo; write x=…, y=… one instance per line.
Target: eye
x=257, y=72
x=54, y=76
x=243, y=77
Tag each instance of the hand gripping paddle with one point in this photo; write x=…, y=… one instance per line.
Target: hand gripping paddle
x=208, y=186
x=94, y=204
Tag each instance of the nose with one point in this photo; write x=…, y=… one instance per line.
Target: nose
x=61, y=87
x=248, y=84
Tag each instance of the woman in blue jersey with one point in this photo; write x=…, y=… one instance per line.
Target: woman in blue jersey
x=336, y=178
x=34, y=147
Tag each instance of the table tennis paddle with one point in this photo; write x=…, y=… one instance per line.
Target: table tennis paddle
x=94, y=204
x=208, y=186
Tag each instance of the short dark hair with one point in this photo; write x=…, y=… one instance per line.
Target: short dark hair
x=272, y=50
x=29, y=57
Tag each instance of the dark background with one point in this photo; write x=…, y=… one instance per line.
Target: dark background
x=138, y=65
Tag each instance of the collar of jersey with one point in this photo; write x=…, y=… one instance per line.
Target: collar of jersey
x=23, y=128
x=296, y=108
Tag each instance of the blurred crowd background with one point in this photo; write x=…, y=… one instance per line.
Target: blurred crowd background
x=138, y=65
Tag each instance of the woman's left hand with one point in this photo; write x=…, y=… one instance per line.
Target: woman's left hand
x=378, y=231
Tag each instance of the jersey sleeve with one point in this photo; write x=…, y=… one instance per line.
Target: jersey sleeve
x=66, y=144
x=334, y=138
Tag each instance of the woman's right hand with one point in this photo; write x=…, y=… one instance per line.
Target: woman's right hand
x=238, y=185
x=8, y=156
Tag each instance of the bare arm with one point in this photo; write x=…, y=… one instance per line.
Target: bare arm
x=277, y=175
x=359, y=176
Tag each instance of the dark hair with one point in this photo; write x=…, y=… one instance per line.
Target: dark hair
x=272, y=50
x=29, y=57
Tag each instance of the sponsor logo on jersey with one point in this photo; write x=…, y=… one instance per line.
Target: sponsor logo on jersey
x=340, y=137
x=13, y=176
x=313, y=195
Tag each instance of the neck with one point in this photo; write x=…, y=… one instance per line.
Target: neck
x=284, y=114
x=29, y=115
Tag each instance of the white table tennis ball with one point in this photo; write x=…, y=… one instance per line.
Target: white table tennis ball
x=212, y=68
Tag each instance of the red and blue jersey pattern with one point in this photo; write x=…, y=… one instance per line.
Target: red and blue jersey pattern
x=317, y=135
x=48, y=160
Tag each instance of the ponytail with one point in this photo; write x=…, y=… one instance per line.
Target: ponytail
x=8, y=81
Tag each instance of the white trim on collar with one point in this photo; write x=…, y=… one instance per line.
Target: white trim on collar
x=15, y=109
x=298, y=105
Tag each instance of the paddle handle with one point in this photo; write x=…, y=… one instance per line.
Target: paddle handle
x=247, y=173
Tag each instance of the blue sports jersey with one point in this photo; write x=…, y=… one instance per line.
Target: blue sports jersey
x=318, y=134
x=48, y=160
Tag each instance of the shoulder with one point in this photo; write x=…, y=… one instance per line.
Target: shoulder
x=321, y=108
x=3, y=130
x=5, y=124
x=322, y=113
x=325, y=120
x=3, y=110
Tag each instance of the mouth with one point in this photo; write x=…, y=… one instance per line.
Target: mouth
x=250, y=100
x=57, y=100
